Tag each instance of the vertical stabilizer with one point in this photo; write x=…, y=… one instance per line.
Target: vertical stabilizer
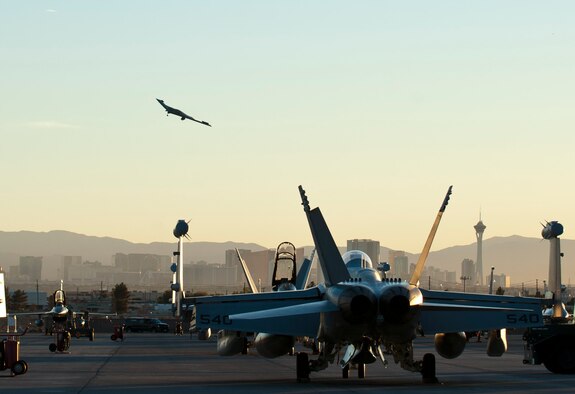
x=304, y=271
x=331, y=263
x=247, y=273
x=425, y=252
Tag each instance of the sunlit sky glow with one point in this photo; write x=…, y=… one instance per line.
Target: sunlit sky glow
x=375, y=107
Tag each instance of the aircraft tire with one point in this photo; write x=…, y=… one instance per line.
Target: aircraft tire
x=428, y=368
x=302, y=367
x=20, y=367
x=345, y=372
x=361, y=370
x=559, y=356
x=245, y=346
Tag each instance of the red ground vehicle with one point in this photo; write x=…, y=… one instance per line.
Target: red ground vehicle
x=118, y=333
x=10, y=354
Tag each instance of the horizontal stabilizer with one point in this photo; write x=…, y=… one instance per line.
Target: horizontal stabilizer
x=215, y=312
x=296, y=320
x=431, y=306
x=443, y=312
x=289, y=311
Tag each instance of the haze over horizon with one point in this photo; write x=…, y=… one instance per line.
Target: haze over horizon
x=375, y=107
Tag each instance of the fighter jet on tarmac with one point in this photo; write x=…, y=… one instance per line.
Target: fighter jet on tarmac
x=64, y=321
x=179, y=113
x=356, y=313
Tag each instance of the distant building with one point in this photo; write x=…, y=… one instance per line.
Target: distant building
x=67, y=262
x=233, y=261
x=435, y=278
x=451, y=277
x=401, y=264
x=392, y=260
x=479, y=229
x=30, y=268
x=140, y=262
x=502, y=280
x=81, y=274
x=468, y=271
x=368, y=246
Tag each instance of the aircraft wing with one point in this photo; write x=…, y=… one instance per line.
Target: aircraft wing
x=195, y=120
x=85, y=313
x=291, y=313
x=443, y=312
x=50, y=312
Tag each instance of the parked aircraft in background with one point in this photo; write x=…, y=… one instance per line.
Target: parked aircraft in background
x=179, y=113
x=355, y=312
x=64, y=323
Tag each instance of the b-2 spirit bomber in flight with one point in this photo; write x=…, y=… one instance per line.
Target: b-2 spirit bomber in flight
x=357, y=313
x=181, y=114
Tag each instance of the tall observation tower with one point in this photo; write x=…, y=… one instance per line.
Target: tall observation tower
x=479, y=229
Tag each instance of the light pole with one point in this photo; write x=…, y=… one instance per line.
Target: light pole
x=464, y=278
x=491, y=281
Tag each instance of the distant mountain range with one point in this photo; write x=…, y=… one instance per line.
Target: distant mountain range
x=523, y=259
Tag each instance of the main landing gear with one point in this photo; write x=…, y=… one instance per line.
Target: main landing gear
x=427, y=369
x=302, y=367
x=361, y=368
x=62, y=342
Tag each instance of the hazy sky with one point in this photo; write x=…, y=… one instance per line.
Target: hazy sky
x=375, y=107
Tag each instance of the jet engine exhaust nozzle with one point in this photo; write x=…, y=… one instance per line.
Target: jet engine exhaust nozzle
x=395, y=303
x=358, y=304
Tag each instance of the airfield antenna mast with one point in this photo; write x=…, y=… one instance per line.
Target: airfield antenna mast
x=180, y=231
x=552, y=231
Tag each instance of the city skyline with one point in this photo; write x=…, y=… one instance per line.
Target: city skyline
x=522, y=259
x=374, y=107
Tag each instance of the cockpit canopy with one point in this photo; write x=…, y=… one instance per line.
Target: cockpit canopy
x=356, y=259
x=59, y=297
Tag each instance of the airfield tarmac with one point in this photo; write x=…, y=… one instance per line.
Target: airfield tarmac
x=152, y=363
